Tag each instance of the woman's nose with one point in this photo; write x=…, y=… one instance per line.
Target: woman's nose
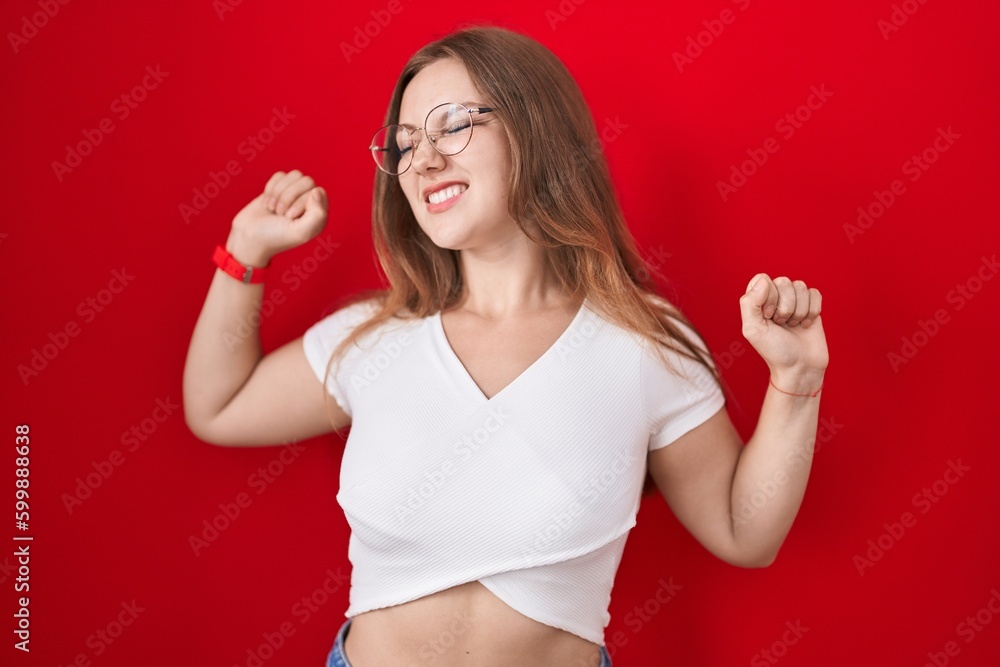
x=425, y=156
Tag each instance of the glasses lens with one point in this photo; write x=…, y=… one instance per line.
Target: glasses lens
x=449, y=126
x=392, y=149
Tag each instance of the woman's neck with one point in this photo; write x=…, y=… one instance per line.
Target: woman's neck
x=512, y=279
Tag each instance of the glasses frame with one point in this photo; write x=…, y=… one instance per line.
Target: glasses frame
x=431, y=137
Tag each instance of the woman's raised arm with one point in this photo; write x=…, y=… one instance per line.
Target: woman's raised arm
x=233, y=394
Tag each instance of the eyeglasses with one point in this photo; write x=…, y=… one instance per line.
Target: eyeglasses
x=448, y=127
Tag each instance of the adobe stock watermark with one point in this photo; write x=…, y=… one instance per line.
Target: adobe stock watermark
x=248, y=149
x=923, y=500
x=364, y=34
x=779, y=647
x=122, y=107
x=259, y=481
x=387, y=352
x=958, y=297
x=563, y=520
x=786, y=126
x=302, y=610
x=59, y=340
x=968, y=629
x=898, y=17
x=105, y=636
x=131, y=440
x=639, y=616
x=767, y=489
x=652, y=262
x=294, y=276
x=724, y=360
x=694, y=386
x=696, y=45
x=30, y=25
x=576, y=340
x=224, y=7
x=914, y=167
x=608, y=133
x=462, y=451
x=562, y=12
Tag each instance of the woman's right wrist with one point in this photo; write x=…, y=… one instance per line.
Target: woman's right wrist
x=245, y=251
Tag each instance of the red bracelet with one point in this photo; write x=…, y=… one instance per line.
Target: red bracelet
x=232, y=266
x=813, y=395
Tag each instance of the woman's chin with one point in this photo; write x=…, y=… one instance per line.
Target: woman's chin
x=462, y=235
x=447, y=240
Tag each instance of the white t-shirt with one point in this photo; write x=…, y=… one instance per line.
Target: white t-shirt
x=531, y=492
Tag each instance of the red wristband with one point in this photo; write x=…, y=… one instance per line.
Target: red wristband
x=229, y=264
x=813, y=395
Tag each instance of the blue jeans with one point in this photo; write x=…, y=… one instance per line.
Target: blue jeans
x=337, y=657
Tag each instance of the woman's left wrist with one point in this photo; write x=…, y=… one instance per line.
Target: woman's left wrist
x=798, y=381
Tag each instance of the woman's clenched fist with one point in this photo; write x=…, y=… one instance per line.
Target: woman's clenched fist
x=291, y=211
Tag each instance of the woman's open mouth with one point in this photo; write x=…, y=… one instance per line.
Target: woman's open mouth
x=445, y=198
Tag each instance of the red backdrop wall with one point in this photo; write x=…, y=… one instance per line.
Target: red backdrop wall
x=848, y=144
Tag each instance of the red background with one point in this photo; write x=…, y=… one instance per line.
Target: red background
x=891, y=431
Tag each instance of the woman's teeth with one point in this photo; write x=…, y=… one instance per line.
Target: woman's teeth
x=447, y=193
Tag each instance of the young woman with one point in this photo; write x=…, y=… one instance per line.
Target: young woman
x=512, y=387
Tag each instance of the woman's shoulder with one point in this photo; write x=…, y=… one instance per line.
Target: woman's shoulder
x=352, y=312
x=356, y=311
x=675, y=316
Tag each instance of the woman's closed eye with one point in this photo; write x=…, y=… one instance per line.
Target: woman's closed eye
x=458, y=126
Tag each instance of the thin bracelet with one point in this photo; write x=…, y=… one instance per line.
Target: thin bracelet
x=812, y=395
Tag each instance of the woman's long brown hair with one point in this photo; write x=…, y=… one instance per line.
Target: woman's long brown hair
x=562, y=198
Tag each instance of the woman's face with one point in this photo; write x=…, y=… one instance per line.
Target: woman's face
x=476, y=217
